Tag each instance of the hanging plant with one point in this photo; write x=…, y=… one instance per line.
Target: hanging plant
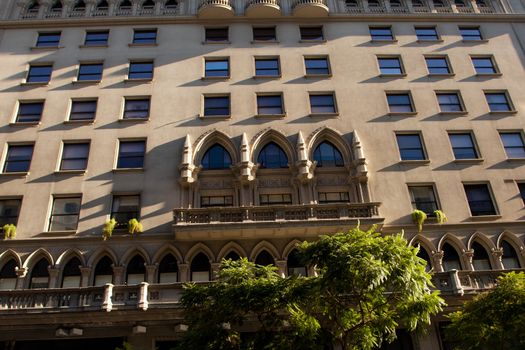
x=9, y=231
x=419, y=218
x=134, y=226
x=109, y=226
x=440, y=216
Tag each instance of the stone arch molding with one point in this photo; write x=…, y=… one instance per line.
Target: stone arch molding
x=168, y=249
x=483, y=239
x=264, y=245
x=424, y=242
x=271, y=135
x=231, y=247
x=99, y=254
x=208, y=139
x=196, y=249
x=334, y=137
x=69, y=254
x=8, y=255
x=290, y=247
x=131, y=252
x=35, y=256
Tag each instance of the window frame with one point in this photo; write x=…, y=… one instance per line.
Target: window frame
x=216, y=59
x=322, y=93
x=425, y=158
x=205, y=97
x=413, y=110
x=450, y=70
x=270, y=94
x=223, y=204
x=266, y=58
x=317, y=57
x=7, y=218
x=139, y=62
x=462, y=110
x=135, y=98
x=258, y=41
x=304, y=39
x=73, y=101
x=51, y=215
x=207, y=37
x=44, y=46
x=466, y=27
x=327, y=201
x=37, y=65
x=491, y=195
x=510, y=104
x=89, y=43
x=475, y=146
x=65, y=143
x=89, y=63
x=282, y=202
x=437, y=39
x=427, y=185
x=118, y=154
x=21, y=103
x=522, y=139
x=402, y=72
x=374, y=37
x=495, y=67
x=6, y=160
x=123, y=225
x=141, y=42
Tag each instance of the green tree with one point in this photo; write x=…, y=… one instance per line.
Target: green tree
x=492, y=320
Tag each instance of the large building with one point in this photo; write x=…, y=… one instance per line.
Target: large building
x=238, y=128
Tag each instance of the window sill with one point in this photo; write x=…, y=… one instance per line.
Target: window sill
x=267, y=76
x=133, y=120
x=454, y=113
x=90, y=121
x=270, y=116
x=142, y=44
x=96, y=46
x=503, y=112
x=382, y=41
x=304, y=41
x=425, y=41
x=329, y=75
x=139, y=81
x=128, y=170
x=86, y=82
x=24, y=124
x=28, y=83
x=469, y=161
x=439, y=75
x=16, y=174
x=218, y=117
x=475, y=41
x=60, y=233
x=415, y=162
x=45, y=48
x=488, y=75
x=265, y=42
x=402, y=75
x=70, y=172
x=400, y=114
x=484, y=217
x=516, y=160
x=226, y=42
x=216, y=78
x=324, y=115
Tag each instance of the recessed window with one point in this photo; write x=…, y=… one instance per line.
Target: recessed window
x=317, y=65
x=217, y=105
x=513, y=144
x=484, y=65
x=140, y=70
x=438, y=65
x=270, y=104
x=390, y=65
x=333, y=197
x=427, y=33
x=39, y=73
x=9, y=211
x=97, y=38
x=125, y=208
x=381, y=33
x=275, y=199
x=216, y=157
x=18, y=158
x=521, y=188
x=90, y=72
x=216, y=35
x=272, y=156
x=48, y=39
x=479, y=200
x=327, y=155
x=498, y=102
x=65, y=213
x=83, y=110
x=423, y=198
x=410, y=147
x=216, y=201
x=322, y=103
x=267, y=67
x=399, y=102
x=131, y=154
x=449, y=102
x=136, y=108
x=75, y=156
x=470, y=33
x=144, y=36
x=29, y=112
x=217, y=67
x=463, y=146
x=264, y=34
x=311, y=33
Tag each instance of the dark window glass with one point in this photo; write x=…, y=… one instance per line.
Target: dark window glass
x=423, y=254
x=333, y=197
x=39, y=74
x=272, y=157
x=29, y=112
x=295, y=265
x=327, y=155
x=410, y=147
x=97, y=38
x=470, y=33
x=91, y=71
x=145, y=36
x=427, y=33
x=510, y=257
x=18, y=158
x=270, y=104
x=479, y=200
x=200, y=268
x=275, y=199
x=463, y=146
x=390, y=66
x=449, y=102
x=48, y=39
x=264, y=34
x=424, y=199
x=480, y=260
x=216, y=201
x=217, y=68
x=71, y=275
x=131, y=154
x=75, y=156
x=125, y=208
x=40, y=274
x=484, y=65
x=83, y=110
x=450, y=259
x=9, y=211
x=311, y=33
x=381, y=33
x=399, y=103
x=136, y=270
x=264, y=259
x=497, y=101
x=8, y=270
x=216, y=157
x=513, y=144
x=140, y=70
x=168, y=269
x=521, y=187
x=317, y=66
x=437, y=65
x=103, y=271
x=322, y=103
x=65, y=213
x=232, y=256
x=267, y=67
x=136, y=109
x=216, y=34
x=403, y=341
x=216, y=105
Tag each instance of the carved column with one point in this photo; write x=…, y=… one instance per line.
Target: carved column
x=281, y=267
x=91, y=6
x=143, y=296
x=53, y=277
x=497, y=253
x=159, y=5
x=67, y=6
x=184, y=270
x=215, y=270
x=135, y=7
x=21, y=273
x=21, y=6
x=113, y=5
x=474, y=6
x=118, y=277
x=437, y=260
x=151, y=273
x=85, y=272
x=468, y=255
x=44, y=7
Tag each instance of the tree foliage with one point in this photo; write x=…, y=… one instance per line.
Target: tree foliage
x=492, y=320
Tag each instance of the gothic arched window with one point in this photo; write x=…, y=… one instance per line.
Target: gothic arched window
x=136, y=270
x=103, y=272
x=168, y=269
x=216, y=157
x=264, y=258
x=200, y=268
x=272, y=157
x=8, y=275
x=327, y=155
x=451, y=259
x=71, y=274
x=40, y=274
x=295, y=266
x=510, y=257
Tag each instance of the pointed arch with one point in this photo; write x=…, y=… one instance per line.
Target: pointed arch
x=165, y=250
x=231, y=247
x=456, y=242
x=512, y=238
x=424, y=242
x=489, y=245
x=289, y=247
x=208, y=139
x=100, y=253
x=332, y=136
x=511, y=259
x=130, y=254
x=196, y=249
x=37, y=255
x=271, y=135
x=264, y=245
x=482, y=258
x=67, y=255
x=9, y=254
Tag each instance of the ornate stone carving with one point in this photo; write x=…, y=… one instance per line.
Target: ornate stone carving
x=273, y=182
x=305, y=168
x=215, y=184
x=187, y=168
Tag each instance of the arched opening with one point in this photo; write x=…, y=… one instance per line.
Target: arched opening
x=264, y=258
x=125, y=5
x=136, y=270
x=327, y=155
x=8, y=275
x=71, y=275
x=480, y=260
x=216, y=157
x=148, y=5
x=102, y=5
x=80, y=5
x=39, y=277
x=509, y=258
x=351, y=3
x=57, y=6
x=33, y=6
x=200, y=268
x=168, y=269
x=451, y=259
x=295, y=266
x=272, y=156
x=103, y=272
x=423, y=254
x=232, y=256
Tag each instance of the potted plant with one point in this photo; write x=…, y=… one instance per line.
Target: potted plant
x=440, y=217
x=9, y=231
x=419, y=218
x=109, y=226
x=134, y=226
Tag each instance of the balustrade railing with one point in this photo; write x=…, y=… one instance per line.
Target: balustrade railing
x=77, y=13
x=206, y=3
x=376, y=9
x=486, y=9
x=124, y=11
x=170, y=11
x=309, y=2
x=262, y=2
x=54, y=13
x=464, y=9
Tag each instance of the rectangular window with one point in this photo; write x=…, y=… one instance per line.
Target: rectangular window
x=144, y=36
x=410, y=147
x=217, y=67
x=267, y=67
x=131, y=154
x=140, y=70
x=513, y=144
x=479, y=200
x=83, y=110
x=400, y=103
x=270, y=104
x=216, y=106
x=498, y=102
x=18, y=158
x=9, y=211
x=216, y=35
x=75, y=156
x=311, y=33
x=39, y=73
x=437, y=65
x=97, y=38
x=449, y=102
x=65, y=213
x=264, y=34
x=470, y=33
x=381, y=33
x=136, y=108
x=48, y=39
x=484, y=65
x=125, y=208
x=463, y=146
x=29, y=112
x=317, y=65
x=275, y=199
x=427, y=33
x=322, y=103
x=423, y=198
x=390, y=65
x=333, y=197
x=90, y=72
x=216, y=201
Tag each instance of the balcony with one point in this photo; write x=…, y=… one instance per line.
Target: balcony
x=263, y=9
x=310, y=8
x=216, y=9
